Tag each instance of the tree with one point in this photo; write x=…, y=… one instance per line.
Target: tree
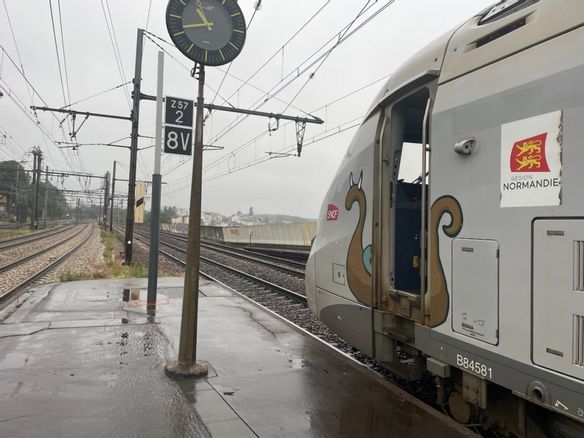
x=15, y=185
x=56, y=203
x=167, y=213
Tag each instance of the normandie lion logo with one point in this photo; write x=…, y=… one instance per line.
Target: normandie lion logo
x=528, y=155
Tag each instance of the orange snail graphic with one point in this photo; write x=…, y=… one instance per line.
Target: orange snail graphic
x=359, y=259
x=439, y=297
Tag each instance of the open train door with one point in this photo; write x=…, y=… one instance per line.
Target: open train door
x=401, y=207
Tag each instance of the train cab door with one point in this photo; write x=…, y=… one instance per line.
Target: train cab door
x=402, y=209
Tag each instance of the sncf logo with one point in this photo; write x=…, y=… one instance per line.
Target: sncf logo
x=332, y=213
x=529, y=155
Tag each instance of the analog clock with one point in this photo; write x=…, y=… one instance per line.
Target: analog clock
x=210, y=32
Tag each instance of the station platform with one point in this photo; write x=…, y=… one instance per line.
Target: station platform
x=76, y=360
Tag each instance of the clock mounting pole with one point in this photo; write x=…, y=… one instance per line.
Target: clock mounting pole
x=187, y=354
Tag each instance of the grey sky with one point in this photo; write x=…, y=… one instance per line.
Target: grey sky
x=283, y=185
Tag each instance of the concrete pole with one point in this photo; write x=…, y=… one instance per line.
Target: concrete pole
x=187, y=354
x=156, y=195
x=45, y=211
x=111, y=223
x=129, y=238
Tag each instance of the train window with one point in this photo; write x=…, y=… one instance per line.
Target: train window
x=410, y=163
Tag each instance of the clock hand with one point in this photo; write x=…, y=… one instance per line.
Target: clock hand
x=203, y=18
x=194, y=26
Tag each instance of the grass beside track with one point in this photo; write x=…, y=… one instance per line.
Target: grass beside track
x=112, y=266
x=12, y=233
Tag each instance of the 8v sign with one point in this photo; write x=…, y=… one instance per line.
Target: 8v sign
x=178, y=140
x=178, y=131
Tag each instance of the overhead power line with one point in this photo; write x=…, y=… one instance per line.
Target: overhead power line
x=263, y=134
x=304, y=66
x=17, y=50
x=114, y=41
x=281, y=49
x=282, y=152
x=31, y=116
x=257, y=7
x=96, y=95
x=64, y=52
x=297, y=73
x=65, y=100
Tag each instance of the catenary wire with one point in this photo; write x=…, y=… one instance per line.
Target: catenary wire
x=96, y=95
x=65, y=100
x=64, y=51
x=17, y=49
x=114, y=45
x=259, y=136
x=296, y=72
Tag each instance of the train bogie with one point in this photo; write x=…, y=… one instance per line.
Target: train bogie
x=451, y=239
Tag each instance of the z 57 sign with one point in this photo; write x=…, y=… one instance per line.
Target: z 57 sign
x=178, y=129
x=178, y=112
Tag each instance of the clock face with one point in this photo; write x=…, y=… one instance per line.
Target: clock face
x=210, y=32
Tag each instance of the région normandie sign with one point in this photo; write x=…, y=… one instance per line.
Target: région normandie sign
x=531, y=161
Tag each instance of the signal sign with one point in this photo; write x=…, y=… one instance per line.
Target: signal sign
x=178, y=140
x=178, y=112
x=178, y=130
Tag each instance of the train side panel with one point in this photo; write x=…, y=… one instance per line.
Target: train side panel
x=516, y=190
x=329, y=289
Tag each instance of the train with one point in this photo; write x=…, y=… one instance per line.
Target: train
x=450, y=244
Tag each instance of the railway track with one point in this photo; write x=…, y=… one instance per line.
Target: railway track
x=16, y=276
x=12, y=226
x=23, y=240
x=252, y=254
x=287, y=275
x=178, y=255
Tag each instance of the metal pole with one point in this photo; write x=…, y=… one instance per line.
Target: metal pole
x=105, y=199
x=34, y=166
x=423, y=246
x=156, y=189
x=113, y=198
x=187, y=355
x=37, y=189
x=17, y=198
x=46, y=197
x=134, y=149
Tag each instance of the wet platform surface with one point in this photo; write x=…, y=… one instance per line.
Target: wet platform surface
x=78, y=361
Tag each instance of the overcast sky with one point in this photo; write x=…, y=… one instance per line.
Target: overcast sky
x=288, y=185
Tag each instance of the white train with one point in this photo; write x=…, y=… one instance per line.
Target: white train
x=451, y=240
